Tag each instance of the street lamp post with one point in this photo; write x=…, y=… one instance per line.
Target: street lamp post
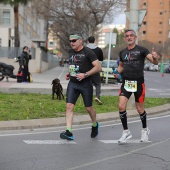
x=163, y=44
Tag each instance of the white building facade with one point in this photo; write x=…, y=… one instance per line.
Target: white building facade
x=31, y=29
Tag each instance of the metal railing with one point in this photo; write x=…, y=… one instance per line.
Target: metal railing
x=12, y=52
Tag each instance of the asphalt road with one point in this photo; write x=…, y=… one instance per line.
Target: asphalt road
x=42, y=149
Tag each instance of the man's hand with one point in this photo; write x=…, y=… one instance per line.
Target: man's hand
x=80, y=76
x=154, y=54
x=67, y=76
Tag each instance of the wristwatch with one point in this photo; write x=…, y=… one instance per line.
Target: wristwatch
x=85, y=75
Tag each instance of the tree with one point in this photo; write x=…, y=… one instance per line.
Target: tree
x=15, y=4
x=84, y=16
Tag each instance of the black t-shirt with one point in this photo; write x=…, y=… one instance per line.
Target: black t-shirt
x=133, y=61
x=99, y=53
x=80, y=62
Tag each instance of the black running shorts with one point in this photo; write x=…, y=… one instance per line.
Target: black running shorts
x=85, y=88
x=139, y=94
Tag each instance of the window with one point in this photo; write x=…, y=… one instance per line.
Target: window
x=160, y=42
x=25, y=26
x=160, y=32
x=161, y=3
x=144, y=32
x=169, y=34
x=6, y=17
x=144, y=23
x=161, y=13
x=28, y=27
x=160, y=23
x=21, y=20
x=144, y=4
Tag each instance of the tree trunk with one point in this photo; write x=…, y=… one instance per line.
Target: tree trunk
x=16, y=26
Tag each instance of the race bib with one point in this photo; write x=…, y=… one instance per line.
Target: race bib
x=130, y=86
x=73, y=70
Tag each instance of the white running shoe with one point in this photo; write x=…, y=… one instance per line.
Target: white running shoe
x=144, y=135
x=125, y=136
x=98, y=101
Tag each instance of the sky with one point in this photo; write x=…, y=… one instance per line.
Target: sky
x=120, y=19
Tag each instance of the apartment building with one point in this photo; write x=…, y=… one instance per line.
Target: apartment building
x=32, y=30
x=156, y=24
x=101, y=41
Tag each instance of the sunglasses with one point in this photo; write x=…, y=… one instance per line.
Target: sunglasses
x=74, y=40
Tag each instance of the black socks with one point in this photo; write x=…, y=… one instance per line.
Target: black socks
x=123, y=118
x=143, y=119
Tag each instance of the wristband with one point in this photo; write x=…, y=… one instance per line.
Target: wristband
x=85, y=75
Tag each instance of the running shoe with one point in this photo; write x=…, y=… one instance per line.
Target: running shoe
x=94, y=132
x=144, y=135
x=98, y=101
x=66, y=135
x=125, y=136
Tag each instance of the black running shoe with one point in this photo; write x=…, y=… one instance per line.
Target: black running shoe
x=94, y=132
x=66, y=135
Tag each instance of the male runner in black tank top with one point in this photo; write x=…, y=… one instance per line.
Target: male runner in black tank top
x=131, y=66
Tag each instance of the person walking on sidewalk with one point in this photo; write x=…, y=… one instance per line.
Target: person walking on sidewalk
x=25, y=57
x=96, y=79
x=82, y=64
x=131, y=66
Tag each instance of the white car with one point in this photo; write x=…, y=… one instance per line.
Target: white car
x=153, y=67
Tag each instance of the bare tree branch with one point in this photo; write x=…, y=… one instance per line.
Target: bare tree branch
x=82, y=16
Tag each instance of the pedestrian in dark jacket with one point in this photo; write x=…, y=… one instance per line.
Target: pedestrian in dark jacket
x=25, y=57
x=96, y=80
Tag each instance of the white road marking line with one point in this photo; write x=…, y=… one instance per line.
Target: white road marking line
x=48, y=142
x=128, y=141
x=118, y=156
x=35, y=133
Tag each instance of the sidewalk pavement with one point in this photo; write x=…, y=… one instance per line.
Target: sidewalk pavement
x=42, y=84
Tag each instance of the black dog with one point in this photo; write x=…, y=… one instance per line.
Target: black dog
x=57, y=88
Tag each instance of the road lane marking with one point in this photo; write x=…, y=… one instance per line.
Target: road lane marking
x=128, y=141
x=51, y=142
x=83, y=128
x=118, y=156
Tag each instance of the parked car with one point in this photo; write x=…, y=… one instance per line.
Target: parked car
x=166, y=65
x=153, y=67
x=167, y=68
x=112, y=66
x=146, y=66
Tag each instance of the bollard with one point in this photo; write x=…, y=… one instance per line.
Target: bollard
x=162, y=69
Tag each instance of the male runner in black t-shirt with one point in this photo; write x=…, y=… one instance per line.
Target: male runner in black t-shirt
x=131, y=66
x=82, y=64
